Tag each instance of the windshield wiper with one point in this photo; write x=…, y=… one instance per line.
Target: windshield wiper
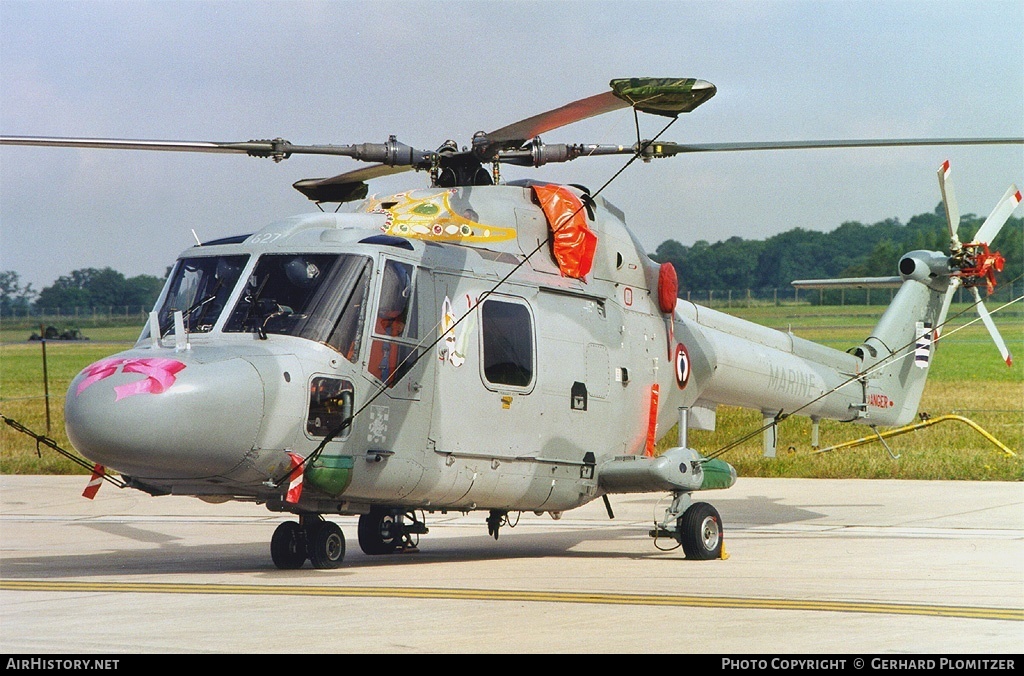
x=201, y=303
x=253, y=300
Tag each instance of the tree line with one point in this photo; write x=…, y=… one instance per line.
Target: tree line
x=82, y=289
x=851, y=250
x=735, y=264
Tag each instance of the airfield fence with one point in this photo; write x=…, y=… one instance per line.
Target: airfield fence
x=32, y=317
x=741, y=298
x=126, y=315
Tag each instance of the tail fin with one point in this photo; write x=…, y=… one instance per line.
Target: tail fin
x=897, y=355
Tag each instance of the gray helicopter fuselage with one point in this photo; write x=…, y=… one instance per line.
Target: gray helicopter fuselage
x=479, y=375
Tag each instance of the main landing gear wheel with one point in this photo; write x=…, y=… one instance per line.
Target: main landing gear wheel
x=288, y=546
x=699, y=531
x=380, y=531
x=326, y=544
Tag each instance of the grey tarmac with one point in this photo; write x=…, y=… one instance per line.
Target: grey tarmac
x=813, y=566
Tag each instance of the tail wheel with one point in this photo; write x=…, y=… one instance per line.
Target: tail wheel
x=326, y=545
x=288, y=546
x=380, y=531
x=699, y=531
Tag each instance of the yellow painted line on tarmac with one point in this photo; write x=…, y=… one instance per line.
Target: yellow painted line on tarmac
x=970, y=612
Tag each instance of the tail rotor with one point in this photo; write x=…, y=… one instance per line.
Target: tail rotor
x=972, y=264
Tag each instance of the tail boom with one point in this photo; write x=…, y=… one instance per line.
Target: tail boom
x=879, y=382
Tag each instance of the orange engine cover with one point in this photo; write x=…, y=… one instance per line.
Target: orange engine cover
x=574, y=244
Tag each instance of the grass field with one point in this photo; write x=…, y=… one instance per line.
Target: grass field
x=967, y=378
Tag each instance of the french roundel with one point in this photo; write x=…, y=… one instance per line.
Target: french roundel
x=682, y=366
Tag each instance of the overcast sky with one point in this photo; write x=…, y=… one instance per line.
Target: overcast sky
x=341, y=72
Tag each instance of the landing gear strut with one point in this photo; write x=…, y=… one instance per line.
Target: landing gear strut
x=313, y=538
x=495, y=520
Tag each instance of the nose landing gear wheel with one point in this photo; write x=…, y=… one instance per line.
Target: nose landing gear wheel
x=380, y=531
x=288, y=546
x=699, y=531
x=326, y=545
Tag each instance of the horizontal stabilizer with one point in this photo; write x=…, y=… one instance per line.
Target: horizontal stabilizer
x=850, y=283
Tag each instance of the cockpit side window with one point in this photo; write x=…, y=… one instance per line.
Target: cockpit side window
x=347, y=333
x=392, y=350
x=396, y=316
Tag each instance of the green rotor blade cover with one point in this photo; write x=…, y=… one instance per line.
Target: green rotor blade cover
x=717, y=474
x=663, y=96
x=331, y=474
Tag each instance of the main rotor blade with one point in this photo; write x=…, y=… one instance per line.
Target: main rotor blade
x=121, y=144
x=391, y=152
x=357, y=175
x=345, y=187
x=659, y=96
x=540, y=153
x=668, y=149
x=591, y=106
x=986, y=319
x=994, y=223
x=952, y=210
x=142, y=144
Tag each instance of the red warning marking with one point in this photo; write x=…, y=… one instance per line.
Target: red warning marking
x=295, y=483
x=880, y=401
x=652, y=422
x=98, y=472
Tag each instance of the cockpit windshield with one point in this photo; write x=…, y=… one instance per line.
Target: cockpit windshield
x=320, y=297
x=199, y=287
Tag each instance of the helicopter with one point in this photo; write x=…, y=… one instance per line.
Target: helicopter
x=477, y=345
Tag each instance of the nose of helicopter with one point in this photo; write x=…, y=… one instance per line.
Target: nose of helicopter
x=171, y=417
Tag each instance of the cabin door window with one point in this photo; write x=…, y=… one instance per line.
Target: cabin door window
x=508, y=346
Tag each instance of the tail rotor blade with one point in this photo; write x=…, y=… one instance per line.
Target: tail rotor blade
x=990, y=228
x=990, y=325
x=949, y=201
x=954, y=284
